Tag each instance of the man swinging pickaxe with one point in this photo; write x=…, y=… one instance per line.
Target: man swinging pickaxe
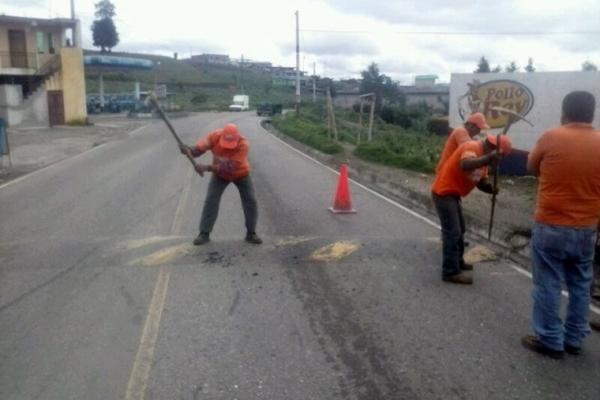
x=512, y=118
x=151, y=100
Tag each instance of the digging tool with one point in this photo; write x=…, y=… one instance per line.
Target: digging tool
x=512, y=117
x=151, y=100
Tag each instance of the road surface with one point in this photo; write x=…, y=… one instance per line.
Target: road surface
x=102, y=295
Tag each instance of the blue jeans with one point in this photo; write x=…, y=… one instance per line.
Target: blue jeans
x=562, y=254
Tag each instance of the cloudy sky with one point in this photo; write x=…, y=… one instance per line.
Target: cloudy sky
x=405, y=38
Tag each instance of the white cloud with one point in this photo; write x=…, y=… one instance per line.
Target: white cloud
x=265, y=30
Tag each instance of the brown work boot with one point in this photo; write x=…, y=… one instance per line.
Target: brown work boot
x=534, y=344
x=595, y=325
x=460, y=278
x=466, y=267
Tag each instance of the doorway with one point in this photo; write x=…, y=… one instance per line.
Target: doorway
x=56, y=107
x=18, y=49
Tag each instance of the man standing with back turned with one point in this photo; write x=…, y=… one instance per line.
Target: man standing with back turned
x=567, y=162
x=230, y=165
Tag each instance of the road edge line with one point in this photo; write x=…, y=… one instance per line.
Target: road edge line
x=520, y=270
x=362, y=186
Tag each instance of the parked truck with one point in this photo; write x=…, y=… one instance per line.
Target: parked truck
x=268, y=109
x=241, y=102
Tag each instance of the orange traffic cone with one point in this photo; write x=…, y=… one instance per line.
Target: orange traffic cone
x=342, y=203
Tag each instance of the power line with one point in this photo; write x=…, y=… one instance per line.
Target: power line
x=461, y=33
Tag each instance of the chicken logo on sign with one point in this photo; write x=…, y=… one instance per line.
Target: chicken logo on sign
x=483, y=97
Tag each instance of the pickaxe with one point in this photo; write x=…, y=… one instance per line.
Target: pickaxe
x=151, y=100
x=512, y=117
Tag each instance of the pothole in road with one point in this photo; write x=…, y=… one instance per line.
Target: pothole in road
x=335, y=251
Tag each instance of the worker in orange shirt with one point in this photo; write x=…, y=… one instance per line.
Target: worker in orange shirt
x=566, y=162
x=230, y=165
x=464, y=170
x=472, y=127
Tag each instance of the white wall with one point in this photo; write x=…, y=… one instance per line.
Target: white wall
x=11, y=95
x=32, y=111
x=537, y=96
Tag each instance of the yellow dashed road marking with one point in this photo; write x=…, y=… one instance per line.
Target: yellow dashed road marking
x=335, y=251
x=164, y=256
x=138, y=243
x=136, y=388
x=294, y=240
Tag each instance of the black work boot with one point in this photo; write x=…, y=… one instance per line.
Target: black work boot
x=252, y=237
x=462, y=278
x=202, y=238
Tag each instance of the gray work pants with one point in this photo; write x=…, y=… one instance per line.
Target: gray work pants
x=216, y=187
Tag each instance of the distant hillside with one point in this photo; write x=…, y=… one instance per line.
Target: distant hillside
x=208, y=87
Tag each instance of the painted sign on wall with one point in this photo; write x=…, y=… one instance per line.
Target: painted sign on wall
x=537, y=96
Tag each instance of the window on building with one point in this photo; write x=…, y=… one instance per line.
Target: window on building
x=41, y=42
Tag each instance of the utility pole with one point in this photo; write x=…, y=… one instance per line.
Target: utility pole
x=297, y=63
x=332, y=114
x=75, y=32
x=314, y=82
x=242, y=73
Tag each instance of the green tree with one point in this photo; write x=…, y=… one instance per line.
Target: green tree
x=512, y=67
x=483, y=66
x=497, y=69
x=589, y=66
x=104, y=32
x=530, y=67
x=384, y=87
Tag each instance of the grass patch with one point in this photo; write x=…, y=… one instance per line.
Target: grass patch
x=414, y=151
x=308, y=130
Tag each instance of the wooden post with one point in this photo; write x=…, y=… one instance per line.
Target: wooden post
x=329, y=133
x=371, y=118
x=332, y=113
x=360, y=126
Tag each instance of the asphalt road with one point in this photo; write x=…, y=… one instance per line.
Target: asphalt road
x=102, y=295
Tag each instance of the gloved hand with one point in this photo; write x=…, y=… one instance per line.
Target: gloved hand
x=185, y=150
x=487, y=187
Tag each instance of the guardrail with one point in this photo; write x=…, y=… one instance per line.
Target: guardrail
x=18, y=60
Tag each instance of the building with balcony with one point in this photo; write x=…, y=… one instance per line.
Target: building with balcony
x=41, y=73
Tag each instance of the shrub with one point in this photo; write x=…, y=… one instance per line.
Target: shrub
x=438, y=126
x=307, y=130
x=199, y=98
x=406, y=150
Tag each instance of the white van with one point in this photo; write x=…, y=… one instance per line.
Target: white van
x=241, y=102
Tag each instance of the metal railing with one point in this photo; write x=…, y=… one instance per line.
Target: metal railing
x=18, y=60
